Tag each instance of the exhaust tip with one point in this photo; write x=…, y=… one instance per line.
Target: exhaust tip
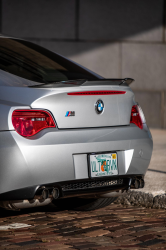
x=45, y=194
x=142, y=183
x=55, y=193
x=136, y=184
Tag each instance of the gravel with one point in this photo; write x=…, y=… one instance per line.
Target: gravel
x=142, y=199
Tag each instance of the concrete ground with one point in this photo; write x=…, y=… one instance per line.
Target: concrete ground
x=155, y=178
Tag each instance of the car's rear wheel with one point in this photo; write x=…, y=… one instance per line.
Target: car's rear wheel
x=82, y=204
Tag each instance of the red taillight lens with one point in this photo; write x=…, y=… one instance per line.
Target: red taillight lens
x=99, y=92
x=136, y=117
x=29, y=122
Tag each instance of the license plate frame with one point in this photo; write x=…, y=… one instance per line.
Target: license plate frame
x=99, y=170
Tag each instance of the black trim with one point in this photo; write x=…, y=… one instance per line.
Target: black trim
x=86, y=82
x=28, y=193
x=20, y=194
x=96, y=190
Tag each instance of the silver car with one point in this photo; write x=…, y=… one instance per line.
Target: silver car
x=67, y=135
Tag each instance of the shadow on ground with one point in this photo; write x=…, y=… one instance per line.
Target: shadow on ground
x=44, y=209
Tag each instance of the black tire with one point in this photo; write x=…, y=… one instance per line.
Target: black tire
x=81, y=204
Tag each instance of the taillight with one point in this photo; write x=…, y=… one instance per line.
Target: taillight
x=29, y=122
x=99, y=92
x=137, y=116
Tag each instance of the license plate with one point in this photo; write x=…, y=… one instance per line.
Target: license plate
x=103, y=164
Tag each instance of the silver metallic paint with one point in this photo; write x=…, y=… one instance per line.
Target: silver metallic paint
x=117, y=108
x=47, y=157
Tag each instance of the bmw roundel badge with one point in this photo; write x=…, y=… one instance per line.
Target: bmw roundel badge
x=99, y=107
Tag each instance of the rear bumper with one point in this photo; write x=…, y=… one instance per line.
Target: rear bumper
x=49, y=157
x=75, y=188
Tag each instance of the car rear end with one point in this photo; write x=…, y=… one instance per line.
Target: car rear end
x=70, y=138
x=63, y=154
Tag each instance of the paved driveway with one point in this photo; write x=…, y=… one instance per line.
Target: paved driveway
x=114, y=227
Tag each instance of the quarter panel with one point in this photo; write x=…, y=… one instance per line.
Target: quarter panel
x=14, y=172
x=16, y=97
x=4, y=111
x=142, y=155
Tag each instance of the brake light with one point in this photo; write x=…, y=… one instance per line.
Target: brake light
x=30, y=122
x=98, y=92
x=137, y=116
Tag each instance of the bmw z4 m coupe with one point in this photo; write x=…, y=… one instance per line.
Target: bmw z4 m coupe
x=67, y=135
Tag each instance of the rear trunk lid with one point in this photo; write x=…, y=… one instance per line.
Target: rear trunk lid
x=78, y=106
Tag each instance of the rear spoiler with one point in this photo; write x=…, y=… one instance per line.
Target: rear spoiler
x=125, y=80
x=84, y=82
x=112, y=81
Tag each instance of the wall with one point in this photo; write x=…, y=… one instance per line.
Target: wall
x=121, y=38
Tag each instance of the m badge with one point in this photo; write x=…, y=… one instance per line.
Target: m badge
x=70, y=113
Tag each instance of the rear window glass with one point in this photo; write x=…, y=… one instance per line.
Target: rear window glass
x=34, y=63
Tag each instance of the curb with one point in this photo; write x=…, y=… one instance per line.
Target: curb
x=142, y=199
